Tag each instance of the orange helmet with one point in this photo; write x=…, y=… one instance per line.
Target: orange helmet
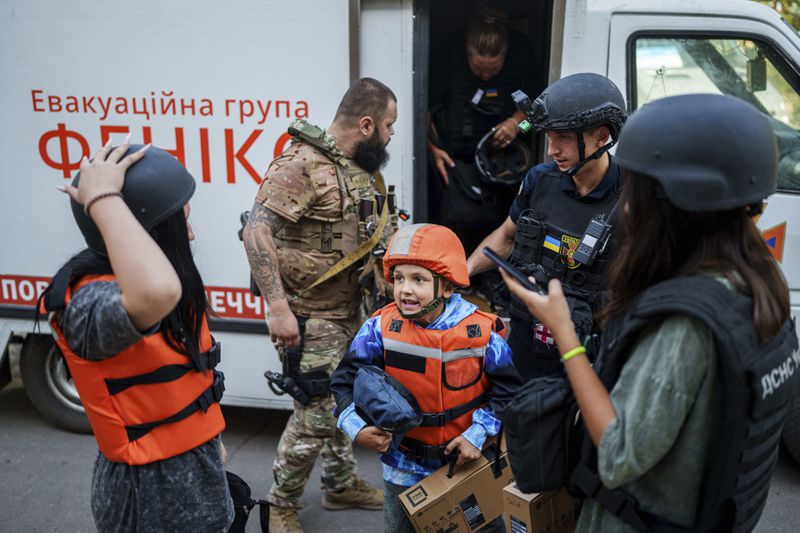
x=430, y=246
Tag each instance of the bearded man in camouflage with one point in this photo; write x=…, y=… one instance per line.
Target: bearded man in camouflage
x=304, y=221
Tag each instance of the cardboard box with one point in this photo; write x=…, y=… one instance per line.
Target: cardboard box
x=546, y=512
x=462, y=503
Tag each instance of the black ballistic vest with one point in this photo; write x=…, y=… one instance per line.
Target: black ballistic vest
x=462, y=122
x=758, y=382
x=548, y=232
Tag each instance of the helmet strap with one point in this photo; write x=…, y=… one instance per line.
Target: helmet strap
x=582, y=153
x=431, y=306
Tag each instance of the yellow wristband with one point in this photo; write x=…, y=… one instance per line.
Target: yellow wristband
x=572, y=353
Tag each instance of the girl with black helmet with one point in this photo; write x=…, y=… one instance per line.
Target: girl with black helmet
x=684, y=405
x=129, y=315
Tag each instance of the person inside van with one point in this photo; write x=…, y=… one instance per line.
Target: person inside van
x=448, y=357
x=681, y=408
x=473, y=74
x=129, y=313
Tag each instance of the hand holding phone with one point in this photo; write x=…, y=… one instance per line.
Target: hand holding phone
x=513, y=271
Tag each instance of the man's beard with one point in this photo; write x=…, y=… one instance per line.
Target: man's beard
x=371, y=154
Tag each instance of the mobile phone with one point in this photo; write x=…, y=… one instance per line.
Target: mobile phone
x=513, y=271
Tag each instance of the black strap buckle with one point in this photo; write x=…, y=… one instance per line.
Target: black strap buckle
x=416, y=450
x=211, y=358
x=214, y=393
x=434, y=419
x=219, y=385
x=204, y=402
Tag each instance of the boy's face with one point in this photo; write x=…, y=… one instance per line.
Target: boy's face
x=413, y=290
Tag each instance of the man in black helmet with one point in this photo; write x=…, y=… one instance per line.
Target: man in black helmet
x=581, y=115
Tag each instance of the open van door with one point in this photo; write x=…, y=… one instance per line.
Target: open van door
x=758, y=60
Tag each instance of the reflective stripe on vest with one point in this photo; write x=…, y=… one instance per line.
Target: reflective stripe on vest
x=443, y=369
x=144, y=404
x=432, y=353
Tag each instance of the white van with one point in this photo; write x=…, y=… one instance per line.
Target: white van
x=217, y=84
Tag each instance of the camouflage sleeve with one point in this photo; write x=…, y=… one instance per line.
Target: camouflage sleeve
x=287, y=188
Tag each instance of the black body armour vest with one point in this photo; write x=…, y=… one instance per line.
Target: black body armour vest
x=462, y=123
x=548, y=233
x=758, y=381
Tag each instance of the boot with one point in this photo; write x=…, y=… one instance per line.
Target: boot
x=283, y=520
x=360, y=495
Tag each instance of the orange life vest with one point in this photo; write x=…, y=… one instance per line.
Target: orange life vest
x=148, y=402
x=443, y=369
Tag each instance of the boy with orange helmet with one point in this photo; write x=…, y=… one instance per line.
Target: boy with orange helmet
x=448, y=354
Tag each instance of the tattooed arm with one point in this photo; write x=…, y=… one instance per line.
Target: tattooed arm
x=263, y=257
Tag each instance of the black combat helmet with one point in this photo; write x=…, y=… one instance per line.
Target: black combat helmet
x=506, y=166
x=580, y=102
x=708, y=152
x=156, y=187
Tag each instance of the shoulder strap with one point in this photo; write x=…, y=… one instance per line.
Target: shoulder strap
x=498, y=326
x=316, y=136
x=744, y=450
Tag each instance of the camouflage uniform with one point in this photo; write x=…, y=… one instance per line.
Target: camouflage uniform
x=312, y=429
x=317, y=190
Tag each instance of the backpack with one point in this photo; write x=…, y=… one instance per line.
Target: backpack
x=243, y=503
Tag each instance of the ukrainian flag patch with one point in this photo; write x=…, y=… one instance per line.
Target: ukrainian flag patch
x=491, y=93
x=552, y=244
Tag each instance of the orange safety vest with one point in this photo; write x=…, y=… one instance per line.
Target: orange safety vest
x=443, y=369
x=148, y=402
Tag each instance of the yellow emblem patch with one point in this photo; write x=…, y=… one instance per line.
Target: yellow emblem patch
x=568, y=246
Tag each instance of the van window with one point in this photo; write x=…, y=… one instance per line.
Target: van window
x=742, y=67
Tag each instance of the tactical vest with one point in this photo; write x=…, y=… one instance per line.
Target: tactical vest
x=463, y=122
x=758, y=382
x=548, y=232
x=332, y=234
x=443, y=369
x=148, y=402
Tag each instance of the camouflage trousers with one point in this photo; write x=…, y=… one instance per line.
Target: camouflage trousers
x=311, y=429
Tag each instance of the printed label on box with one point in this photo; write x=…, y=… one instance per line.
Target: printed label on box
x=472, y=511
x=517, y=525
x=417, y=496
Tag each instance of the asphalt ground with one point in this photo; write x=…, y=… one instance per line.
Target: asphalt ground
x=45, y=474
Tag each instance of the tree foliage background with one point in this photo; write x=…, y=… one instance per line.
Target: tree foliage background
x=788, y=9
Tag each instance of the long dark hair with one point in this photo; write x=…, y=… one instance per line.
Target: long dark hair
x=658, y=241
x=181, y=328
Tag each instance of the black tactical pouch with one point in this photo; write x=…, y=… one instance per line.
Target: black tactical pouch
x=528, y=241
